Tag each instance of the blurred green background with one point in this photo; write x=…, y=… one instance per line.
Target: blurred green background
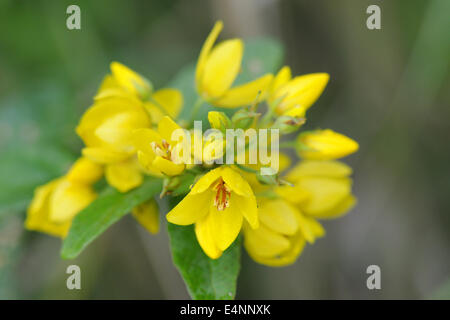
x=389, y=90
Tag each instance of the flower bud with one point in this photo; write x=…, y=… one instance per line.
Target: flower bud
x=288, y=124
x=325, y=145
x=244, y=118
x=219, y=120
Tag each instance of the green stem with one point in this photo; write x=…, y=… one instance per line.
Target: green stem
x=198, y=104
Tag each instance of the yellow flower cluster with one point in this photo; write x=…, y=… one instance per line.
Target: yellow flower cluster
x=128, y=134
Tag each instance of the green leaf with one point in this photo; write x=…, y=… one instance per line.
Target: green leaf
x=107, y=209
x=205, y=278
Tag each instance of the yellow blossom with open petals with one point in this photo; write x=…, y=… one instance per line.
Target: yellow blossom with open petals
x=323, y=188
x=217, y=204
x=325, y=145
x=56, y=203
x=217, y=68
x=282, y=233
x=124, y=82
x=156, y=150
x=293, y=96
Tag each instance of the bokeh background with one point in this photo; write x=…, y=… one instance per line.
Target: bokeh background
x=389, y=90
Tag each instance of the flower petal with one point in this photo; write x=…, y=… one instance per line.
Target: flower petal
x=221, y=68
x=281, y=78
x=67, y=199
x=302, y=90
x=263, y=242
x=166, y=102
x=166, y=127
x=124, y=176
x=325, y=193
x=85, y=171
x=226, y=224
x=130, y=80
x=204, y=233
x=191, y=209
x=147, y=214
x=104, y=156
x=340, y=209
x=167, y=167
x=38, y=212
x=207, y=180
x=204, y=53
x=236, y=183
x=248, y=208
x=246, y=94
x=310, y=228
x=279, y=216
x=333, y=169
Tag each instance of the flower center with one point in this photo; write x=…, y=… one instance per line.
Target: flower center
x=223, y=192
x=163, y=150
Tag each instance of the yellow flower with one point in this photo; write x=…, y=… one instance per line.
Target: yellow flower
x=322, y=189
x=217, y=204
x=325, y=145
x=147, y=214
x=319, y=190
x=218, y=67
x=157, y=151
x=294, y=96
x=124, y=82
x=106, y=129
x=282, y=234
x=55, y=204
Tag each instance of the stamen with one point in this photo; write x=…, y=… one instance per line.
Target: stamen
x=163, y=150
x=222, y=198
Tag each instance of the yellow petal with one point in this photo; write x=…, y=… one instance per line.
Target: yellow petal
x=283, y=76
x=109, y=123
x=111, y=88
x=167, y=167
x=104, y=156
x=325, y=145
x=142, y=140
x=205, y=237
x=301, y=91
x=166, y=127
x=130, y=80
x=248, y=208
x=165, y=102
x=221, y=68
x=339, y=210
x=204, y=53
x=147, y=214
x=246, y=94
x=67, y=199
x=332, y=169
x=207, y=180
x=85, y=171
x=191, y=209
x=123, y=176
x=226, y=224
x=293, y=194
x=263, y=242
x=279, y=216
x=310, y=228
x=236, y=183
x=325, y=193
x=38, y=212
x=286, y=258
